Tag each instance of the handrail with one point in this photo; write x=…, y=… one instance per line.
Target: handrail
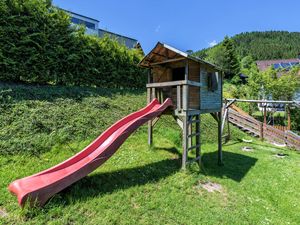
x=263, y=101
x=174, y=83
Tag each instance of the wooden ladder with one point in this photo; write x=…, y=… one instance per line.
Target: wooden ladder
x=191, y=140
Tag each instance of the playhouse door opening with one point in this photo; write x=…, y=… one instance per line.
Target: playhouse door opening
x=178, y=73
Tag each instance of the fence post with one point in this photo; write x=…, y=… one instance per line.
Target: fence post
x=285, y=137
x=261, y=131
x=289, y=117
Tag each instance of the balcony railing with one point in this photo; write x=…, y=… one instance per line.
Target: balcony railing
x=155, y=90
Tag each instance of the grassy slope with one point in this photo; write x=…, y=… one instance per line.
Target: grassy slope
x=146, y=186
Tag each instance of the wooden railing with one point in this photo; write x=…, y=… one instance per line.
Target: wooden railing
x=279, y=127
x=293, y=139
x=245, y=122
x=267, y=132
x=155, y=90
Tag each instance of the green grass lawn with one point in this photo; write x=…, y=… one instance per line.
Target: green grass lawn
x=42, y=126
x=139, y=185
x=276, y=114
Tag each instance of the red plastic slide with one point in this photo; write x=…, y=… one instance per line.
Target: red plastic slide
x=40, y=187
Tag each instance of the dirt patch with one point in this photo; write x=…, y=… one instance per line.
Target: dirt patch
x=3, y=213
x=210, y=186
x=247, y=149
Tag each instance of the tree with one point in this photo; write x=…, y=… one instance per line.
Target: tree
x=246, y=62
x=224, y=55
x=217, y=56
x=263, y=45
x=278, y=85
x=231, y=63
x=285, y=86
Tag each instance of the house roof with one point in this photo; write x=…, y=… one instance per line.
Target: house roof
x=73, y=13
x=162, y=52
x=119, y=35
x=265, y=64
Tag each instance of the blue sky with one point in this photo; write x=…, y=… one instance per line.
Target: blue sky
x=187, y=24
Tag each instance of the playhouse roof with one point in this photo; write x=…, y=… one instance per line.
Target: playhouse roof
x=165, y=53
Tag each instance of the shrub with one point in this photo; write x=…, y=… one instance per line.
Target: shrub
x=38, y=45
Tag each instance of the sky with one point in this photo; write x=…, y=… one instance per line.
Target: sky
x=187, y=24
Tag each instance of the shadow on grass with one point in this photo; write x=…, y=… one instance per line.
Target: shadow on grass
x=235, y=167
x=109, y=182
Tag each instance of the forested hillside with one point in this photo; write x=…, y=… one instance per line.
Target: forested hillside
x=263, y=45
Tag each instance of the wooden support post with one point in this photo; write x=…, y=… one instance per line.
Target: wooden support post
x=185, y=141
x=265, y=115
x=190, y=131
x=185, y=97
x=179, y=98
x=198, y=140
x=185, y=106
x=149, y=76
x=220, y=156
x=185, y=89
x=178, y=121
x=186, y=74
x=153, y=93
x=150, y=134
x=261, y=131
x=228, y=127
x=161, y=95
x=149, y=98
x=224, y=119
x=289, y=117
x=150, y=128
x=148, y=95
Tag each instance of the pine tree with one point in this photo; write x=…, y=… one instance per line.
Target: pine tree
x=231, y=63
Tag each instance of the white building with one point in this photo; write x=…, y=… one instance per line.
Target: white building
x=92, y=28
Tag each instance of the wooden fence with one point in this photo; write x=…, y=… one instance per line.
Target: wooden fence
x=246, y=123
x=249, y=124
x=279, y=127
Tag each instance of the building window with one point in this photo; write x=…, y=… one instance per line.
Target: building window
x=178, y=74
x=212, y=81
x=86, y=23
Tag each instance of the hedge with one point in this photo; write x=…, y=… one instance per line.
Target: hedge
x=38, y=45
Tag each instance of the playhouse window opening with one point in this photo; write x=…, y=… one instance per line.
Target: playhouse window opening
x=178, y=73
x=212, y=81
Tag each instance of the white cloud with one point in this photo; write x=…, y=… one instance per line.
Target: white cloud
x=157, y=29
x=212, y=43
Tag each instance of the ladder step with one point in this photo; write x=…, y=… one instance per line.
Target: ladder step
x=193, y=160
x=195, y=146
x=194, y=121
x=194, y=134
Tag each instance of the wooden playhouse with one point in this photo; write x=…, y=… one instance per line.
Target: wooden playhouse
x=195, y=87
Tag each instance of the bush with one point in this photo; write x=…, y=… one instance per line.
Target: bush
x=38, y=45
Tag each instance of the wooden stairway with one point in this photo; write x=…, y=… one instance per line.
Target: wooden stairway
x=250, y=125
